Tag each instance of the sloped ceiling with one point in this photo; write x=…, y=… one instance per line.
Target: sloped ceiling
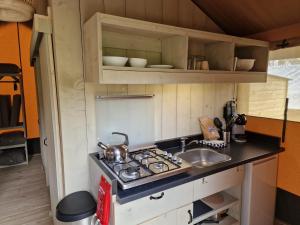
x=246, y=17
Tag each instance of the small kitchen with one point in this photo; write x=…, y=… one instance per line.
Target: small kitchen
x=147, y=119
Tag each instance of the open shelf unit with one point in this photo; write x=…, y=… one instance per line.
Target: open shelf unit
x=214, y=208
x=108, y=35
x=13, y=138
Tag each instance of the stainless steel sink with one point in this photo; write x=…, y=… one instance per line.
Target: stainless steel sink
x=203, y=157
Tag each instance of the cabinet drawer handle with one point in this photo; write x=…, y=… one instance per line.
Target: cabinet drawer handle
x=158, y=197
x=191, y=216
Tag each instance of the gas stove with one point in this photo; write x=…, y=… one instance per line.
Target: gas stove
x=144, y=166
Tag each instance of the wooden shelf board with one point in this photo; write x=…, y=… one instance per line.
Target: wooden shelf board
x=229, y=201
x=19, y=164
x=226, y=221
x=146, y=76
x=6, y=147
x=11, y=128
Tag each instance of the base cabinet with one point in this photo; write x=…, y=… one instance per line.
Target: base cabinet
x=165, y=219
x=185, y=215
x=181, y=216
x=217, y=182
x=259, y=192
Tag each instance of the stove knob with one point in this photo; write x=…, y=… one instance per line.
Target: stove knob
x=174, y=158
x=170, y=155
x=179, y=161
x=165, y=154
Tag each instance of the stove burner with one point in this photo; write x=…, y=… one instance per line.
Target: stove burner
x=131, y=172
x=159, y=165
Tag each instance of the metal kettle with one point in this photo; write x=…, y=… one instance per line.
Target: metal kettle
x=115, y=153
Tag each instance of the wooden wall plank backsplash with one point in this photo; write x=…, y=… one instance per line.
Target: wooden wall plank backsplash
x=177, y=107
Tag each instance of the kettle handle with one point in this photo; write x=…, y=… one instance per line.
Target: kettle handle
x=103, y=146
x=126, y=142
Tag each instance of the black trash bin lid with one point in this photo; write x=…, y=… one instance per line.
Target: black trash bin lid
x=76, y=206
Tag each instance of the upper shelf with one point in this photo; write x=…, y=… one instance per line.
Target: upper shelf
x=163, y=44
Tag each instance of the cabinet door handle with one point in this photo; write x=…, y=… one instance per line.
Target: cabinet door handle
x=204, y=181
x=191, y=216
x=158, y=197
x=45, y=141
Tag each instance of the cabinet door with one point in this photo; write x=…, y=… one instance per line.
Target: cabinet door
x=185, y=215
x=165, y=219
x=259, y=189
x=149, y=207
x=218, y=182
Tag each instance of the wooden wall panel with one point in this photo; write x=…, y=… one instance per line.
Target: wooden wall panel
x=157, y=90
x=154, y=10
x=197, y=107
x=170, y=12
x=114, y=7
x=169, y=111
x=186, y=9
x=137, y=89
x=91, y=7
x=135, y=9
x=182, y=13
x=209, y=99
x=183, y=109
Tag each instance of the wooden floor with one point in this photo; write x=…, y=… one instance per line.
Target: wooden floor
x=24, y=197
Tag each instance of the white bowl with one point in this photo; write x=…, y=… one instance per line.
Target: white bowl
x=114, y=60
x=137, y=62
x=244, y=64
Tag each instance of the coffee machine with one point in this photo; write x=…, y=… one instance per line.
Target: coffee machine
x=235, y=123
x=238, y=128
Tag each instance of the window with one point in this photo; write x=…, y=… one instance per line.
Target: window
x=288, y=68
x=268, y=99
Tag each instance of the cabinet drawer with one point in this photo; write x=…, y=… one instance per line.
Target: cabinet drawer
x=154, y=205
x=218, y=182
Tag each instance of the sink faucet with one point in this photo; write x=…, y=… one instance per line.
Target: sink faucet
x=184, y=145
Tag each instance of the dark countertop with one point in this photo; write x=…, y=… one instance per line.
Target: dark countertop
x=258, y=147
